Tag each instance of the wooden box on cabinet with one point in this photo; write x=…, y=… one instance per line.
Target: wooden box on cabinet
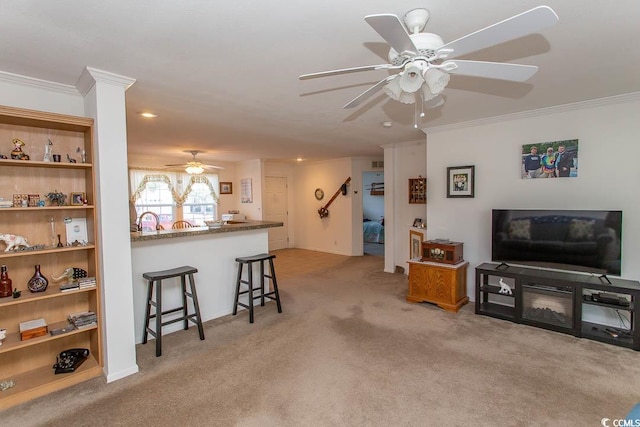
x=417, y=190
x=441, y=284
x=29, y=363
x=447, y=253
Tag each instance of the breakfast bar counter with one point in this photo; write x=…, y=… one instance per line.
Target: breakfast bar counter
x=211, y=250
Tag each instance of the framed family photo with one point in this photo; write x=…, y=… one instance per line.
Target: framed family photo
x=552, y=159
x=461, y=181
x=226, y=188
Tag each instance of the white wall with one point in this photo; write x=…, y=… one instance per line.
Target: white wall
x=251, y=169
x=608, y=174
x=404, y=161
x=333, y=234
x=34, y=94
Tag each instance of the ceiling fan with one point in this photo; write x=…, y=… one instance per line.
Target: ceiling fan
x=194, y=166
x=427, y=63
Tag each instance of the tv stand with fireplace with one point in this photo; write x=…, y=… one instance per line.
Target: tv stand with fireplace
x=567, y=302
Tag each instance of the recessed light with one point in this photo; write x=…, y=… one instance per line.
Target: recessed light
x=148, y=115
x=387, y=124
x=299, y=159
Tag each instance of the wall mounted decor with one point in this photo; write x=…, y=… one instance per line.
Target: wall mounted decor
x=246, y=195
x=461, y=181
x=226, y=188
x=556, y=159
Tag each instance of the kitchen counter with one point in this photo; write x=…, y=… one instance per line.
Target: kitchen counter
x=139, y=236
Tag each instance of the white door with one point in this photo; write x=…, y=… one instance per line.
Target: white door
x=275, y=209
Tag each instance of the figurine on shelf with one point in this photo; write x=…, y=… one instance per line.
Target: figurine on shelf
x=71, y=273
x=13, y=242
x=83, y=154
x=17, y=153
x=48, y=149
x=504, y=288
x=2, y=156
x=16, y=293
x=71, y=159
x=56, y=198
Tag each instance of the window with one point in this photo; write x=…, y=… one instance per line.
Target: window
x=173, y=196
x=200, y=205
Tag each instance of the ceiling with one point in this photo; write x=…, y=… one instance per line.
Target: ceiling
x=223, y=76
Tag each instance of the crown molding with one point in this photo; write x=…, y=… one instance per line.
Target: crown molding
x=404, y=144
x=591, y=103
x=38, y=83
x=90, y=76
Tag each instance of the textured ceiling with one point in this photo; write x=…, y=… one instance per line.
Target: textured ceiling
x=223, y=77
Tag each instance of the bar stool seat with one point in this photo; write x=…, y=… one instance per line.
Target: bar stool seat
x=273, y=295
x=158, y=277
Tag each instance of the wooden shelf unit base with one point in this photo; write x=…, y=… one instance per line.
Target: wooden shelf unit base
x=42, y=381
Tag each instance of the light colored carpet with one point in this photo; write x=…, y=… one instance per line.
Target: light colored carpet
x=348, y=350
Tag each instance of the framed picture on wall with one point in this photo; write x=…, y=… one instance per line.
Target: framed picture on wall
x=461, y=181
x=226, y=188
x=553, y=159
x=415, y=244
x=246, y=195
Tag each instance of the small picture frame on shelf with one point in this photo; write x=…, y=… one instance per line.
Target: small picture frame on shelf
x=415, y=245
x=226, y=188
x=77, y=199
x=417, y=222
x=460, y=181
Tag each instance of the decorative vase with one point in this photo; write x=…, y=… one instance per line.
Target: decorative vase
x=5, y=283
x=38, y=283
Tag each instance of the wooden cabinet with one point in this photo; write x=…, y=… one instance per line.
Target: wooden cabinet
x=418, y=190
x=29, y=363
x=441, y=284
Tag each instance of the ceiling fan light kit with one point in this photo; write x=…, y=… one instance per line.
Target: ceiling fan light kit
x=427, y=63
x=194, y=167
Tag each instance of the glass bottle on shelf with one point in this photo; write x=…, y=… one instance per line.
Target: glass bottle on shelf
x=5, y=283
x=38, y=283
x=52, y=231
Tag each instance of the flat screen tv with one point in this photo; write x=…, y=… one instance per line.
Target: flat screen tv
x=578, y=240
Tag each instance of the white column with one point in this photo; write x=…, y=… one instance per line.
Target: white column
x=104, y=100
x=390, y=182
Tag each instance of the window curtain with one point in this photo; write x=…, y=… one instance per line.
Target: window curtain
x=179, y=183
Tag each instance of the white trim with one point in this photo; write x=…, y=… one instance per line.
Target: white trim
x=617, y=99
x=91, y=75
x=122, y=373
x=38, y=83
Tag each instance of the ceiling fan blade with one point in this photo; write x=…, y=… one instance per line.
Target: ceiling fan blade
x=349, y=70
x=520, y=25
x=369, y=92
x=491, y=70
x=212, y=167
x=392, y=31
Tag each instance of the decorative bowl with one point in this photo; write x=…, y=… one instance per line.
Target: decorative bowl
x=214, y=224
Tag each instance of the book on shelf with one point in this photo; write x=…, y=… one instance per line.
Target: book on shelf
x=69, y=286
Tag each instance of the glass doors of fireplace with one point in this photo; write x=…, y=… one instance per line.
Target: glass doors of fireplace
x=549, y=305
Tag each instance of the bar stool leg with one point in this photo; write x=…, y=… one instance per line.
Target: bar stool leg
x=147, y=312
x=235, y=302
x=196, y=306
x=159, y=319
x=183, y=286
x=250, y=293
x=262, y=283
x=275, y=284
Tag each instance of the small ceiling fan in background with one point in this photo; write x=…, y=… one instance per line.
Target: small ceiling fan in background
x=427, y=63
x=194, y=166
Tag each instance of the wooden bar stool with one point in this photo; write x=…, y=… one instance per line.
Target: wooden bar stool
x=157, y=277
x=274, y=295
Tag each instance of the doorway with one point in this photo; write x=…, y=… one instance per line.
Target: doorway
x=373, y=213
